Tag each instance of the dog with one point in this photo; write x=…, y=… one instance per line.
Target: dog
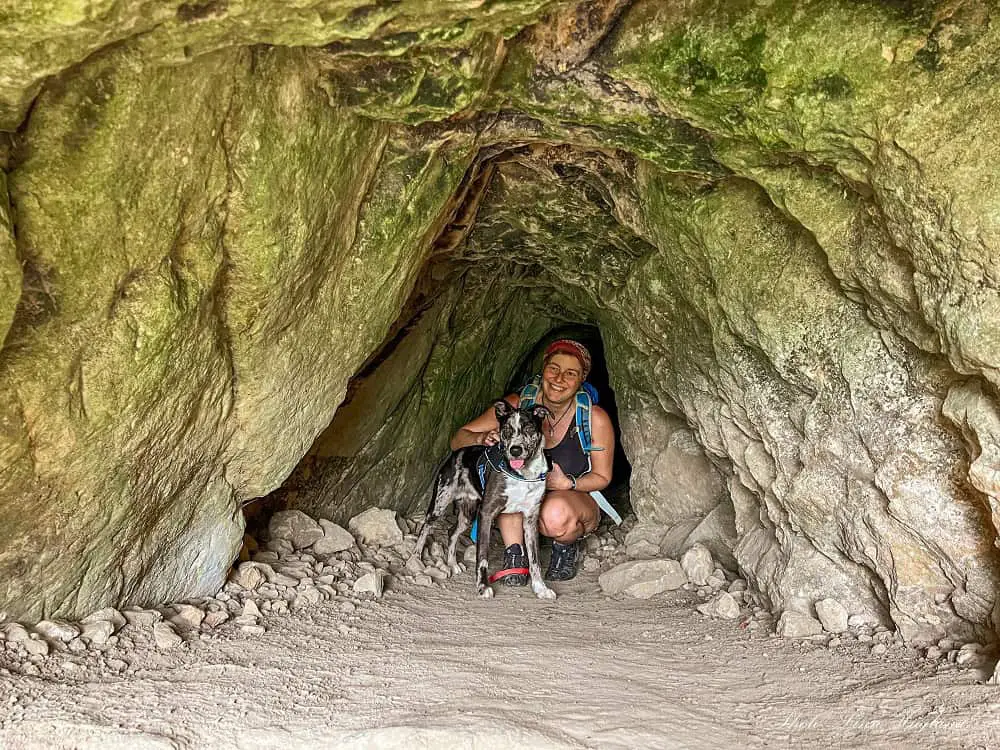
x=515, y=472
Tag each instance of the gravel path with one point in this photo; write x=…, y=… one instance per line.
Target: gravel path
x=436, y=667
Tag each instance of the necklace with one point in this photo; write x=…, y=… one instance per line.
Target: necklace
x=554, y=425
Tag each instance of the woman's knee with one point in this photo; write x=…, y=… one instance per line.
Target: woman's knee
x=557, y=517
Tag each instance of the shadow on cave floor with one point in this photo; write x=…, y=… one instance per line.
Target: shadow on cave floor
x=438, y=667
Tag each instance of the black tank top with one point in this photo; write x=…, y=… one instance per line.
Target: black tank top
x=569, y=455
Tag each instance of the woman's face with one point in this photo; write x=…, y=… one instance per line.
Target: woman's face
x=561, y=378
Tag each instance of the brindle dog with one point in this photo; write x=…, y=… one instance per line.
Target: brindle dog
x=515, y=472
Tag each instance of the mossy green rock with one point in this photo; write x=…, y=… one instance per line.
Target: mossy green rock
x=171, y=370
x=232, y=232
x=10, y=269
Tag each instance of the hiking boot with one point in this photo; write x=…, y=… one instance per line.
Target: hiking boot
x=514, y=557
x=562, y=566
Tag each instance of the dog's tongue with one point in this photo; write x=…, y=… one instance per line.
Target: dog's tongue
x=516, y=463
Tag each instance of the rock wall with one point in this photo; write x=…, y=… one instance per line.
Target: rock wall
x=202, y=293
x=783, y=219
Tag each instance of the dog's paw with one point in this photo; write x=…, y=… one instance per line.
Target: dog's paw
x=545, y=593
x=486, y=593
x=457, y=569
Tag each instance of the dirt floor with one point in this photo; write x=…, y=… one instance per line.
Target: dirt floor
x=435, y=667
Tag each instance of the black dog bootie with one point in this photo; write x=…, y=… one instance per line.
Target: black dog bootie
x=514, y=557
x=562, y=566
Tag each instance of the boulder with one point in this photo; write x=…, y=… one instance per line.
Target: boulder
x=376, y=526
x=797, y=625
x=57, y=630
x=294, y=527
x=698, y=564
x=832, y=614
x=643, y=578
x=723, y=605
x=335, y=539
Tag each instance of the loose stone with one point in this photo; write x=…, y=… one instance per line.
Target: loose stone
x=335, y=539
x=165, y=637
x=108, y=614
x=142, y=618
x=642, y=578
x=306, y=598
x=188, y=617
x=642, y=549
x=698, y=564
x=97, y=631
x=715, y=582
x=376, y=526
x=36, y=646
x=57, y=630
x=295, y=527
x=371, y=583
x=832, y=614
x=250, y=575
x=722, y=605
x=798, y=625
x=16, y=633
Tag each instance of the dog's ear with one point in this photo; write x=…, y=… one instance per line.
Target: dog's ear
x=503, y=409
x=540, y=412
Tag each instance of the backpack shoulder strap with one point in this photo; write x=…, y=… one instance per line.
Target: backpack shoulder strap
x=529, y=394
x=584, y=407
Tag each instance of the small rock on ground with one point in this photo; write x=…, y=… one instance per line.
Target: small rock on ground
x=723, y=605
x=698, y=564
x=797, y=625
x=295, y=527
x=370, y=583
x=643, y=578
x=165, y=636
x=57, y=630
x=832, y=614
x=376, y=526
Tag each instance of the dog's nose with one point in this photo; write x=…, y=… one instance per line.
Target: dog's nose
x=516, y=450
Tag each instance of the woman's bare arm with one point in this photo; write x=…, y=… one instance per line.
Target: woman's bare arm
x=483, y=430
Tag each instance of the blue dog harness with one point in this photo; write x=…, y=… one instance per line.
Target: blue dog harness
x=493, y=458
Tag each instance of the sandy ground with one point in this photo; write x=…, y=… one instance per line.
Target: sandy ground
x=437, y=667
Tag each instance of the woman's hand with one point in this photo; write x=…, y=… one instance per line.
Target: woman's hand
x=489, y=438
x=557, y=479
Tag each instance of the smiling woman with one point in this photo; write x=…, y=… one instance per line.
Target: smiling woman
x=581, y=449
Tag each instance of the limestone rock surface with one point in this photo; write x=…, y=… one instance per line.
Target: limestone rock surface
x=376, y=526
x=643, y=578
x=248, y=242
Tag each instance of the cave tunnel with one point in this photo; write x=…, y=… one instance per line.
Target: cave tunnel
x=258, y=263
